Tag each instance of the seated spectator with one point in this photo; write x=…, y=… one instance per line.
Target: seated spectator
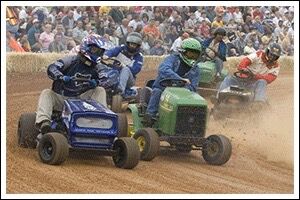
x=78, y=33
x=249, y=48
x=157, y=50
x=24, y=43
x=46, y=38
x=57, y=45
x=177, y=43
x=33, y=36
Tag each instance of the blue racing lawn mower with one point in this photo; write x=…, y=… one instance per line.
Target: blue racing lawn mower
x=83, y=125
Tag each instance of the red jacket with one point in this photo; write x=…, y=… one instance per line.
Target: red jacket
x=257, y=63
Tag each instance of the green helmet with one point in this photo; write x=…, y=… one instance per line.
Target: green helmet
x=192, y=45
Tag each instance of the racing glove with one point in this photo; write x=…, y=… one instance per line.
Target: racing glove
x=93, y=83
x=65, y=79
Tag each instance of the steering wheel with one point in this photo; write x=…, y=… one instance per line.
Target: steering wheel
x=245, y=75
x=111, y=62
x=171, y=82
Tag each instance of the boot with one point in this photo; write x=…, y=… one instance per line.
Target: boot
x=148, y=120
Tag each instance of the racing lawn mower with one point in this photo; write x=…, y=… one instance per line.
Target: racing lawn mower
x=181, y=122
x=236, y=101
x=82, y=125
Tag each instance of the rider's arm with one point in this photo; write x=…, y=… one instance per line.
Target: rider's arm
x=270, y=76
x=166, y=68
x=245, y=62
x=55, y=70
x=194, y=77
x=113, y=52
x=137, y=65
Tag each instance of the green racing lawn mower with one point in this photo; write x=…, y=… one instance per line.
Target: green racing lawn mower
x=181, y=122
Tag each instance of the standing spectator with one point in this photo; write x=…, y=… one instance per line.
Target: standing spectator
x=46, y=38
x=57, y=45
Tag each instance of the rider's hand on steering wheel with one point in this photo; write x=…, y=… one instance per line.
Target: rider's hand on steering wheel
x=187, y=80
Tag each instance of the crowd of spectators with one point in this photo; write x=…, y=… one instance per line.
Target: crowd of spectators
x=61, y=28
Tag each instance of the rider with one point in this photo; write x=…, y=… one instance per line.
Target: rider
x=130, y=57
x=265, y=68
x=216, y=49
x=179, y=65
x=63, y=71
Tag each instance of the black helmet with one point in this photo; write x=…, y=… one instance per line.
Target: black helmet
x=273, y=52
x=220, y=31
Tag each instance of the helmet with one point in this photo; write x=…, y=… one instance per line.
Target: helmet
x=93, y=47
x=273, y=52
x=220, y=31
x=190, y=50
x=135, y=38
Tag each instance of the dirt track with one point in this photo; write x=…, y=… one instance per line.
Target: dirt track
x=262, y=159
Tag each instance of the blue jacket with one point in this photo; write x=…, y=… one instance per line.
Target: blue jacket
x=169, y=67
x=137, y=59
x=222, y=51
x=69, y=66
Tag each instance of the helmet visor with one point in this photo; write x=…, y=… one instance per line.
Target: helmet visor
x=272, y=56
x=96, y=51
x=192, y=54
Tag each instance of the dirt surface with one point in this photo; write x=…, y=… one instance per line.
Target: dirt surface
x=261, y=161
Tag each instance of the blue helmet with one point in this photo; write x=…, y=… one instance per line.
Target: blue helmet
x=93, y=47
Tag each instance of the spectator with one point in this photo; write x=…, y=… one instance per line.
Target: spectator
x=33, y=36
x=68, y=20
x=57, y=45
x=157, y=50
x=216, y=49
x=78, y=33
x=217, y=22
x=122, y=31
x=151, y=29
x=46, y=38
x=249, y=49
x=145, y=46
x=178, y=42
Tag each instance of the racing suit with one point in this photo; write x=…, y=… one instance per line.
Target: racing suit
x=132, y=65
x=172, y=67
x=70, y=66
x=264, y=74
